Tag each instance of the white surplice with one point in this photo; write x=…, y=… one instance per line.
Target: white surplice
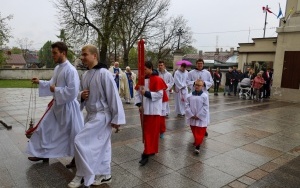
x=55, y=135
x=169, y=80
x=151, y=106
x=93, y=142
x=202, y=75
x=181, y=90
x=197, y=106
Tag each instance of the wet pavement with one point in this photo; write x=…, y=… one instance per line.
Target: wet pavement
x=250, y=144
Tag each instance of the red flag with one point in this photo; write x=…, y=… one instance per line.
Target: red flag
x=141, y=62
x=267, y=9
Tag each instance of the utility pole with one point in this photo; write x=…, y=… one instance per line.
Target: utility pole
x=265, y=21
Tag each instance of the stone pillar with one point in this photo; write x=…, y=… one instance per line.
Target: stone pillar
x=288, y=39
x=178, y=54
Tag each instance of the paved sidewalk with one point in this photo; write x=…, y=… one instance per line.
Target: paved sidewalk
x=250, y=144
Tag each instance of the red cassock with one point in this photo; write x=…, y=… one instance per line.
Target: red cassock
x=199, y=133
x=152, y=123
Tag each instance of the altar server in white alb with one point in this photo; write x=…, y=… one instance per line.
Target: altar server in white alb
x=56, y=132
x=197, y=113
x=99, y=95
x=169, y=80
x=181, y=89
x=200, y=73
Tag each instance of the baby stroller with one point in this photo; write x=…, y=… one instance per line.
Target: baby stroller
x=245, y=92
x=245, y=89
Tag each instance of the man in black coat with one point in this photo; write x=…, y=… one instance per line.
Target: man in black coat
x=267, y=86
x=229, y=82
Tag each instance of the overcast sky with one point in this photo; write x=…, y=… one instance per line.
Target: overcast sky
x=214, y=23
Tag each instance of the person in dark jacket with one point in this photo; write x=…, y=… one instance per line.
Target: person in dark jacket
x=267, y=85
x=217, y=76
x=229, y=82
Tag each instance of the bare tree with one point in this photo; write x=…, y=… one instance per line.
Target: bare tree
x=90, y=21
x=163, y=38
x=24, y=44
x=137, y=18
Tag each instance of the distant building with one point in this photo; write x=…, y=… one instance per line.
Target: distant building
x=214, y=59
x=282, y=53
x=32, y=59
x=258, y=55
x=14, y=61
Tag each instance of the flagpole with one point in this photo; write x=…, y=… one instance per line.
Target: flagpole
x=265, y=21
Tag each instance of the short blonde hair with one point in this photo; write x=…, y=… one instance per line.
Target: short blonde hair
x=199, y=81
x=91, y=48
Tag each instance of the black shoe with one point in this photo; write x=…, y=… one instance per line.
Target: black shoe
x=144, y=159
x=71, y=164
x=197, y=150
x=206, y=134
x=38, y=159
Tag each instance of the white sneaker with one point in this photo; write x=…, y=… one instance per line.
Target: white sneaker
x=76, y=182
x=100, y=179
x=197, y=151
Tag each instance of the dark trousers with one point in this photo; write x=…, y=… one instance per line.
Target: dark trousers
x=216, y=87
x=235, y=87
x=230, y=87
x=266, y=90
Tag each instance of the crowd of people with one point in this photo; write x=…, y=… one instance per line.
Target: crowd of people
x=64, y=132
x=259, y=84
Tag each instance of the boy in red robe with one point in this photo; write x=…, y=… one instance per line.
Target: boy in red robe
x=149, y=99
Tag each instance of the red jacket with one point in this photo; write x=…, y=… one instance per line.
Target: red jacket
x=258, y=82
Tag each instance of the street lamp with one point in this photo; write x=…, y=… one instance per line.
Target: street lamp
x=179, y=33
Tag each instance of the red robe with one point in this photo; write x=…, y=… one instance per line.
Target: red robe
x=152, y=123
